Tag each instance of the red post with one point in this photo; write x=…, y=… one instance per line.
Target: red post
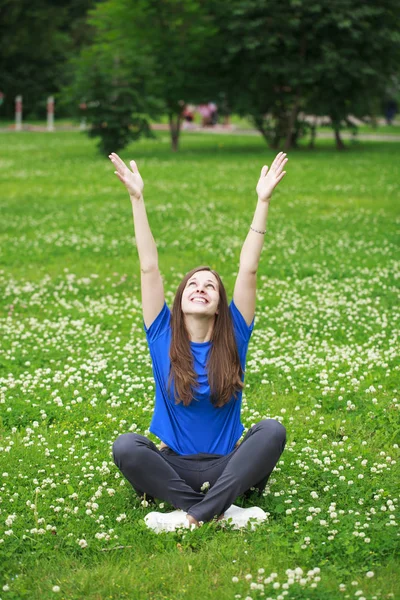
x=50, y=113
x=18, y=113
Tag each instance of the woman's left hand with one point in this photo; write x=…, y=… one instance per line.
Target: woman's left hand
x=270, y=178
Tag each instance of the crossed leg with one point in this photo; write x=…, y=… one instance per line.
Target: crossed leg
x=250, y=465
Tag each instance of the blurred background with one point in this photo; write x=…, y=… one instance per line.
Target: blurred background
x=120, y=68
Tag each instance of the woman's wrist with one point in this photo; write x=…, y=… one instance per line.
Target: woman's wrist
x=134, y=198
x=264, y=200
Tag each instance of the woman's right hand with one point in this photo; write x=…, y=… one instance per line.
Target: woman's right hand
x=130, y=178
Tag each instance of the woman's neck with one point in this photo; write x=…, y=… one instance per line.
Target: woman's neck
x=200, y=330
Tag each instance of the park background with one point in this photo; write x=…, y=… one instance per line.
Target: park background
x=313, y=78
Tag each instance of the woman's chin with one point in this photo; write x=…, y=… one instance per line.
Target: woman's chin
x=198, y=309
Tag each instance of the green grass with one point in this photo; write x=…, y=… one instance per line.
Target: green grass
x=75, y=370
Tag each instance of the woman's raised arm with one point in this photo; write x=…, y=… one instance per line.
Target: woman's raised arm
x=244, y=295
x=151, y=281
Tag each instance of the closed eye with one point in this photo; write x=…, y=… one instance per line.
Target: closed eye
x=193, y=282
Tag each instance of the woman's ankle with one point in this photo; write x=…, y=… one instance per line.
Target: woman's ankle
x=192, y=521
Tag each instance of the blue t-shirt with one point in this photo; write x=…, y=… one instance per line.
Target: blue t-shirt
x=201, y=426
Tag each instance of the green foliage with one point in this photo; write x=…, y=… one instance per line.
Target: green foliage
x=37, y=39
x=321, y=58
x=272, y=63
x=111, y=96
x=115, y=125
x=163, y=42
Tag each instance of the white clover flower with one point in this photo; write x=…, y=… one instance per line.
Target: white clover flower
x=82, y=543
x=56, y=588
x=369, y=574
x=276, y=585
x=205, y=486
x=235, y=579
x=122, y=516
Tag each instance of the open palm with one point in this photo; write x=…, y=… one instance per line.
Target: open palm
x=270, y=177
x=130, y=178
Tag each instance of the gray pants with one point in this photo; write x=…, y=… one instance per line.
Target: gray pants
x=177, y=479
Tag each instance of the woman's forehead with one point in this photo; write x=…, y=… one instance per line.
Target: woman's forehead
x=203, y=275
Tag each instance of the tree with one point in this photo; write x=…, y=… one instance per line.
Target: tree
x=37, y=40
x=299, y=56
x=113, y=96
x=359, y=48
x=169, y=37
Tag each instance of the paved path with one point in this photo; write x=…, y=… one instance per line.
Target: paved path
x=222, y=130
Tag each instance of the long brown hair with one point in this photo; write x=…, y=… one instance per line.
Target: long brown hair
x=223, y=366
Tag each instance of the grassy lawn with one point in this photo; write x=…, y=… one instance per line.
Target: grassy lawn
x=75, y=370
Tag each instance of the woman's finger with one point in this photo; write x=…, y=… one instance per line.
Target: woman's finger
x=278, y=169
x=120, y=177
x=281, y=176
x=275, y=161
x=280, y=158
x=119, y=163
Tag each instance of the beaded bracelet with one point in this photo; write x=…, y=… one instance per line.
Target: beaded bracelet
x=257, y=231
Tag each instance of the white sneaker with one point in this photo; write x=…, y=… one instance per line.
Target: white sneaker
x=240, y=517
x=159, y=522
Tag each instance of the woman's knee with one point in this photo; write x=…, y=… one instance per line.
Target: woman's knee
x=273, y=429
x=126, y=447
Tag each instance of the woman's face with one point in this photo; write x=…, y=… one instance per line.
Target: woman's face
x=201, y=295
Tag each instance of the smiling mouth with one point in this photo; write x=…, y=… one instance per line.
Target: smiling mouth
x=199, y=300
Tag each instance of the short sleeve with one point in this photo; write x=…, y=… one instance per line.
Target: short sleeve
x=242, y=330
x=160, y=324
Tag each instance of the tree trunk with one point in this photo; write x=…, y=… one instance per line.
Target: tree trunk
x=339, y=142
x=292, y=119
x=258, y=122
x=291, y=134
x=174, y=128
x=313, y=127
x=174, y=141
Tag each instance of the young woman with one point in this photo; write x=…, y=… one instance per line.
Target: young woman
x=198, y=352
